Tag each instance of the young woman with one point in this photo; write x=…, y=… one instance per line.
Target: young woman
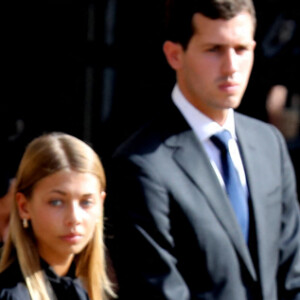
x=55, y=248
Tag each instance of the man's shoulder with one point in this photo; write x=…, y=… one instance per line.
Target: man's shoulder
x=243, y=118
x=142, y=139
x=251, y=124
x=152, y=134
x=258, y=131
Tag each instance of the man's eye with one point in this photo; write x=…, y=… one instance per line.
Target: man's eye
x=55, y=202
x=87, y=202
x=241, y=49
x=214, y=49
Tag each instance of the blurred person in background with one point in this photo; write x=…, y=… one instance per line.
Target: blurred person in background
x=5, y=208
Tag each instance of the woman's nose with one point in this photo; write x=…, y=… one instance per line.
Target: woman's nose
x=73, y=214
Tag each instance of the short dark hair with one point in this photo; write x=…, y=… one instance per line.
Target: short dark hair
x=179, y=15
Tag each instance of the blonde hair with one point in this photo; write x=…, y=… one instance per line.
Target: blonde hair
x=44, y=156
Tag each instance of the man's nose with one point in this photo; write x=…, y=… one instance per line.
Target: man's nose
x=229, y=62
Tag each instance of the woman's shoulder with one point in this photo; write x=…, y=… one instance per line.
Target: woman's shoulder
x=12, y=286
x=11, y=275
x=17, y=292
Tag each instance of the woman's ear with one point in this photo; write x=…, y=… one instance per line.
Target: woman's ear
x=23, y=205
x=173, y=52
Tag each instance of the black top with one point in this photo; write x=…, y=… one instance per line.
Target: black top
x=12, y=286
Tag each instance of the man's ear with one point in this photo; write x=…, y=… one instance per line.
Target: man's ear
x=23, y=203
x=173, y=52
x=102, y=197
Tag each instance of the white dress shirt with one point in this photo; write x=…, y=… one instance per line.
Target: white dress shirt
x=204, y=128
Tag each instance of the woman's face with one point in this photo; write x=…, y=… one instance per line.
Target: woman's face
x=63, y=211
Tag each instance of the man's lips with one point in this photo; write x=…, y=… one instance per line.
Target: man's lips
x=229, y=86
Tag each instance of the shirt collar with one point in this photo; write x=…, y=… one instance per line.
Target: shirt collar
x=203, y=126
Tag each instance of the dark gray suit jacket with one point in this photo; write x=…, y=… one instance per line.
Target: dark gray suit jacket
x=175, y=235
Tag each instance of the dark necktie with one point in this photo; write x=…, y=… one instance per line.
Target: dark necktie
x=232, y=181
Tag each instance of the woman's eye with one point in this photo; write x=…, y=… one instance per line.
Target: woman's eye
x=55, y=202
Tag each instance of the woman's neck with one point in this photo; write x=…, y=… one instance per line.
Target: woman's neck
x=60, y=266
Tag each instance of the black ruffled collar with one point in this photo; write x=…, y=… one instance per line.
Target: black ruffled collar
x=52, y=276
x=64, y=287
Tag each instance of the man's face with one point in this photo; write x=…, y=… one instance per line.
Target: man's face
x=214, y=70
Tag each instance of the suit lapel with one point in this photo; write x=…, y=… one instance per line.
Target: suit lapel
x=190, y=155
x=255, y=177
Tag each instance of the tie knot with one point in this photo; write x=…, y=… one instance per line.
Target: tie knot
x=221, y=139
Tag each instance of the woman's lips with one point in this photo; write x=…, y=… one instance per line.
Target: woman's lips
x=72, y=238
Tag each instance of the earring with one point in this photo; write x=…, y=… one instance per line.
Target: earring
x=25, y=223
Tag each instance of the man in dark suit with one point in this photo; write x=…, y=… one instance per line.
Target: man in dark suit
x=185, y=227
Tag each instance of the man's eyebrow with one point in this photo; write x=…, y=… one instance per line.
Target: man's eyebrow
x=64, y=193
x=58, y=191
x=218, y=44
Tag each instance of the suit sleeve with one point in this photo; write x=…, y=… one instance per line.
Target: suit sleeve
x=289, y=258
x=142, y=246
